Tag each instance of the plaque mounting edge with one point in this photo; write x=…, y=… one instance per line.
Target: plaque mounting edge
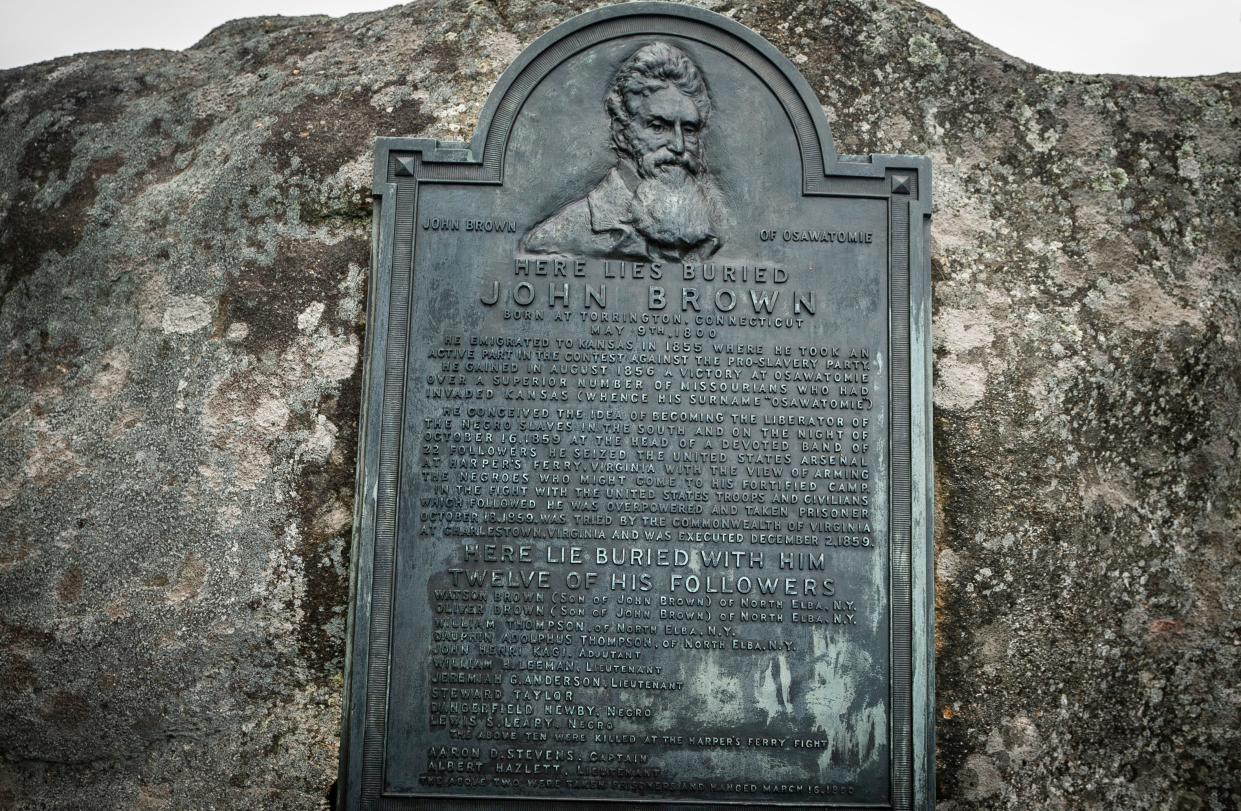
x=402, y=164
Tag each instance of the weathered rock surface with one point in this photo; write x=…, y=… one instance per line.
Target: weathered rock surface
x=183, y=256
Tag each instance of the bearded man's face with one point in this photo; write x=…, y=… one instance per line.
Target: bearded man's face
x=674, y=205
x=663, y=131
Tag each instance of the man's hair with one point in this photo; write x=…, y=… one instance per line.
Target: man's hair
x=646, y=71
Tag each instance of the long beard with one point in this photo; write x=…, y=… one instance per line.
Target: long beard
x=673, y=206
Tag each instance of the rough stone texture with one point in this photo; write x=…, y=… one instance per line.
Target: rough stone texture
x=183, y=255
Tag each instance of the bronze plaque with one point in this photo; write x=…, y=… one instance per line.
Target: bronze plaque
x=644, y=497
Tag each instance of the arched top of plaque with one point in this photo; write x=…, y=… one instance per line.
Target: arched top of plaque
x=814, y=135
x=483, y=158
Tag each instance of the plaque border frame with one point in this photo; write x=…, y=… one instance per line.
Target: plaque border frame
x=402, y=164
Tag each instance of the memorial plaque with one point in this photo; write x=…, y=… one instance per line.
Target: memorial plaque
x=644, y=496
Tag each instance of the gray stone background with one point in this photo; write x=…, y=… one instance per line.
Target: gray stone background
x=183, y=259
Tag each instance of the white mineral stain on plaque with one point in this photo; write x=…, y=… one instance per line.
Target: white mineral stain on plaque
x=771, y=690
x=718, y=693
x=858, y=734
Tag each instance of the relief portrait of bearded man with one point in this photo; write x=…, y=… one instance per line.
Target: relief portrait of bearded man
x=659, y=202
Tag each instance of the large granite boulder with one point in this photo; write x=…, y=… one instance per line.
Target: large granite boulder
x=183, y=262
